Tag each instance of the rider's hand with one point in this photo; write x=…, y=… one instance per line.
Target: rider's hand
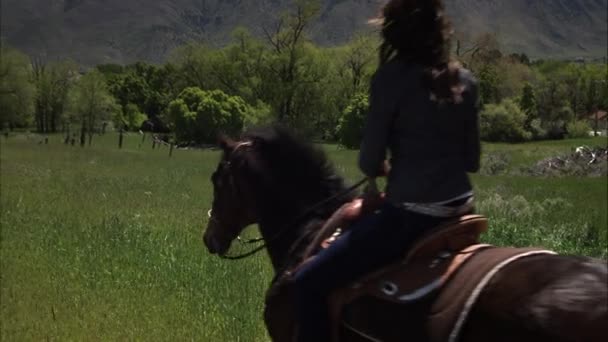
x=372, y=198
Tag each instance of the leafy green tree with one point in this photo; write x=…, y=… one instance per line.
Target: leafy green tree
x=350, y=127
x=289, y=66
x=53, y=82
x=147, y=86
x=504, y=122
x=192, y=63
x=91, y=103
x=131, y=117
x=238, y=68
x=198, y=115
x=527, y=102
x=16, y=90
x=512, y=76
x=359, y=62
x=551, y=96
x=488, y=85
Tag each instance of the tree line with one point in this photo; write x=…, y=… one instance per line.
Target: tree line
x=283, y=76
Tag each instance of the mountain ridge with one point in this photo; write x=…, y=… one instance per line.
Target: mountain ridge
x=123, y=31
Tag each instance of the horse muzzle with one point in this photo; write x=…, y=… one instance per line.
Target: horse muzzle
x=215, y=244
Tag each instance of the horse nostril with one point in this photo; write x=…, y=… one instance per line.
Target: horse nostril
x=213, y=245
x=216, y=246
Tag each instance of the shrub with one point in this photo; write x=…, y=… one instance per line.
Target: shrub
x=504, y=122
x=350, y=125
x=555, y=123
x=537, y=130
x=578, y=129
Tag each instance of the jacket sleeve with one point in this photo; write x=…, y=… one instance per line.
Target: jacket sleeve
x=377, y=128
x=472, y=153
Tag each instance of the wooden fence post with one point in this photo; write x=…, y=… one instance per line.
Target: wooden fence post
x=120, y=137
x=171, y=150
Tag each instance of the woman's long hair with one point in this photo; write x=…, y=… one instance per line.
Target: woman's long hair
x=417, y=31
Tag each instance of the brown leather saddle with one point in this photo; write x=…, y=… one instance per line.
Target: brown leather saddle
x=427, y=265
x=426, y=268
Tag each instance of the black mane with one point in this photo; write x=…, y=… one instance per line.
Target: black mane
x=295, y=164
x=293, y=175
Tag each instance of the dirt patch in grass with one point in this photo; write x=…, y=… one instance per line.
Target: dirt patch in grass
x=583, y=161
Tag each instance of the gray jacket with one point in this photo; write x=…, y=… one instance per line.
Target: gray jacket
x=432, y=146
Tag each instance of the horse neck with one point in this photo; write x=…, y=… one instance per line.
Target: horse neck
x=278, y=224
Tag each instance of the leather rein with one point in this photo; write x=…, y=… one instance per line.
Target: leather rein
x=284, y=228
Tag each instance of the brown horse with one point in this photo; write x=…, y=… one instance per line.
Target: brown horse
x=271, y=178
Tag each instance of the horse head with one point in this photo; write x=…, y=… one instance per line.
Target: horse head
x=233, y=207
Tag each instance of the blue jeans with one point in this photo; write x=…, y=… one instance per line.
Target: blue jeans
x=372, y=242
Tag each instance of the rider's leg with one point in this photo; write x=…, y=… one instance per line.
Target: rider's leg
x=375, y=240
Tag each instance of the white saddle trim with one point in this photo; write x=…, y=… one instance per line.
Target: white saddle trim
x=455, y=334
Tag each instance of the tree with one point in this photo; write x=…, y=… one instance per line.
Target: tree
x=358, y=62
x=198, y=115
x=16, y=90
x=147, y=86
x=287, y=61
x=192, y=62
x=527, y=103
x=350, y=128
x=477, y=51
x=238, y=68
x=131, y=117
x=91, y=102
x=512, y=76
x=53, y=82
x=488, y=85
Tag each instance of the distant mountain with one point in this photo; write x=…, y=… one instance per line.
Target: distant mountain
x=122, y=31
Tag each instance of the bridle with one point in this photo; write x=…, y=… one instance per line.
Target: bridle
x=283, y=228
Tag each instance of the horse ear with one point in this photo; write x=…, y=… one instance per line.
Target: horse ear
x=225, y=143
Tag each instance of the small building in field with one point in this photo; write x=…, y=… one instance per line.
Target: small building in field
x=599, y=122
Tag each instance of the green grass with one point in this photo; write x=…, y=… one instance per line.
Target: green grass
x=105, y=244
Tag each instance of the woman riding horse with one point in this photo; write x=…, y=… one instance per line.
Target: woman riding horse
x=424, y=110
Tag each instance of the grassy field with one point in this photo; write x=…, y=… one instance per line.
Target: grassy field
x=105, y=244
